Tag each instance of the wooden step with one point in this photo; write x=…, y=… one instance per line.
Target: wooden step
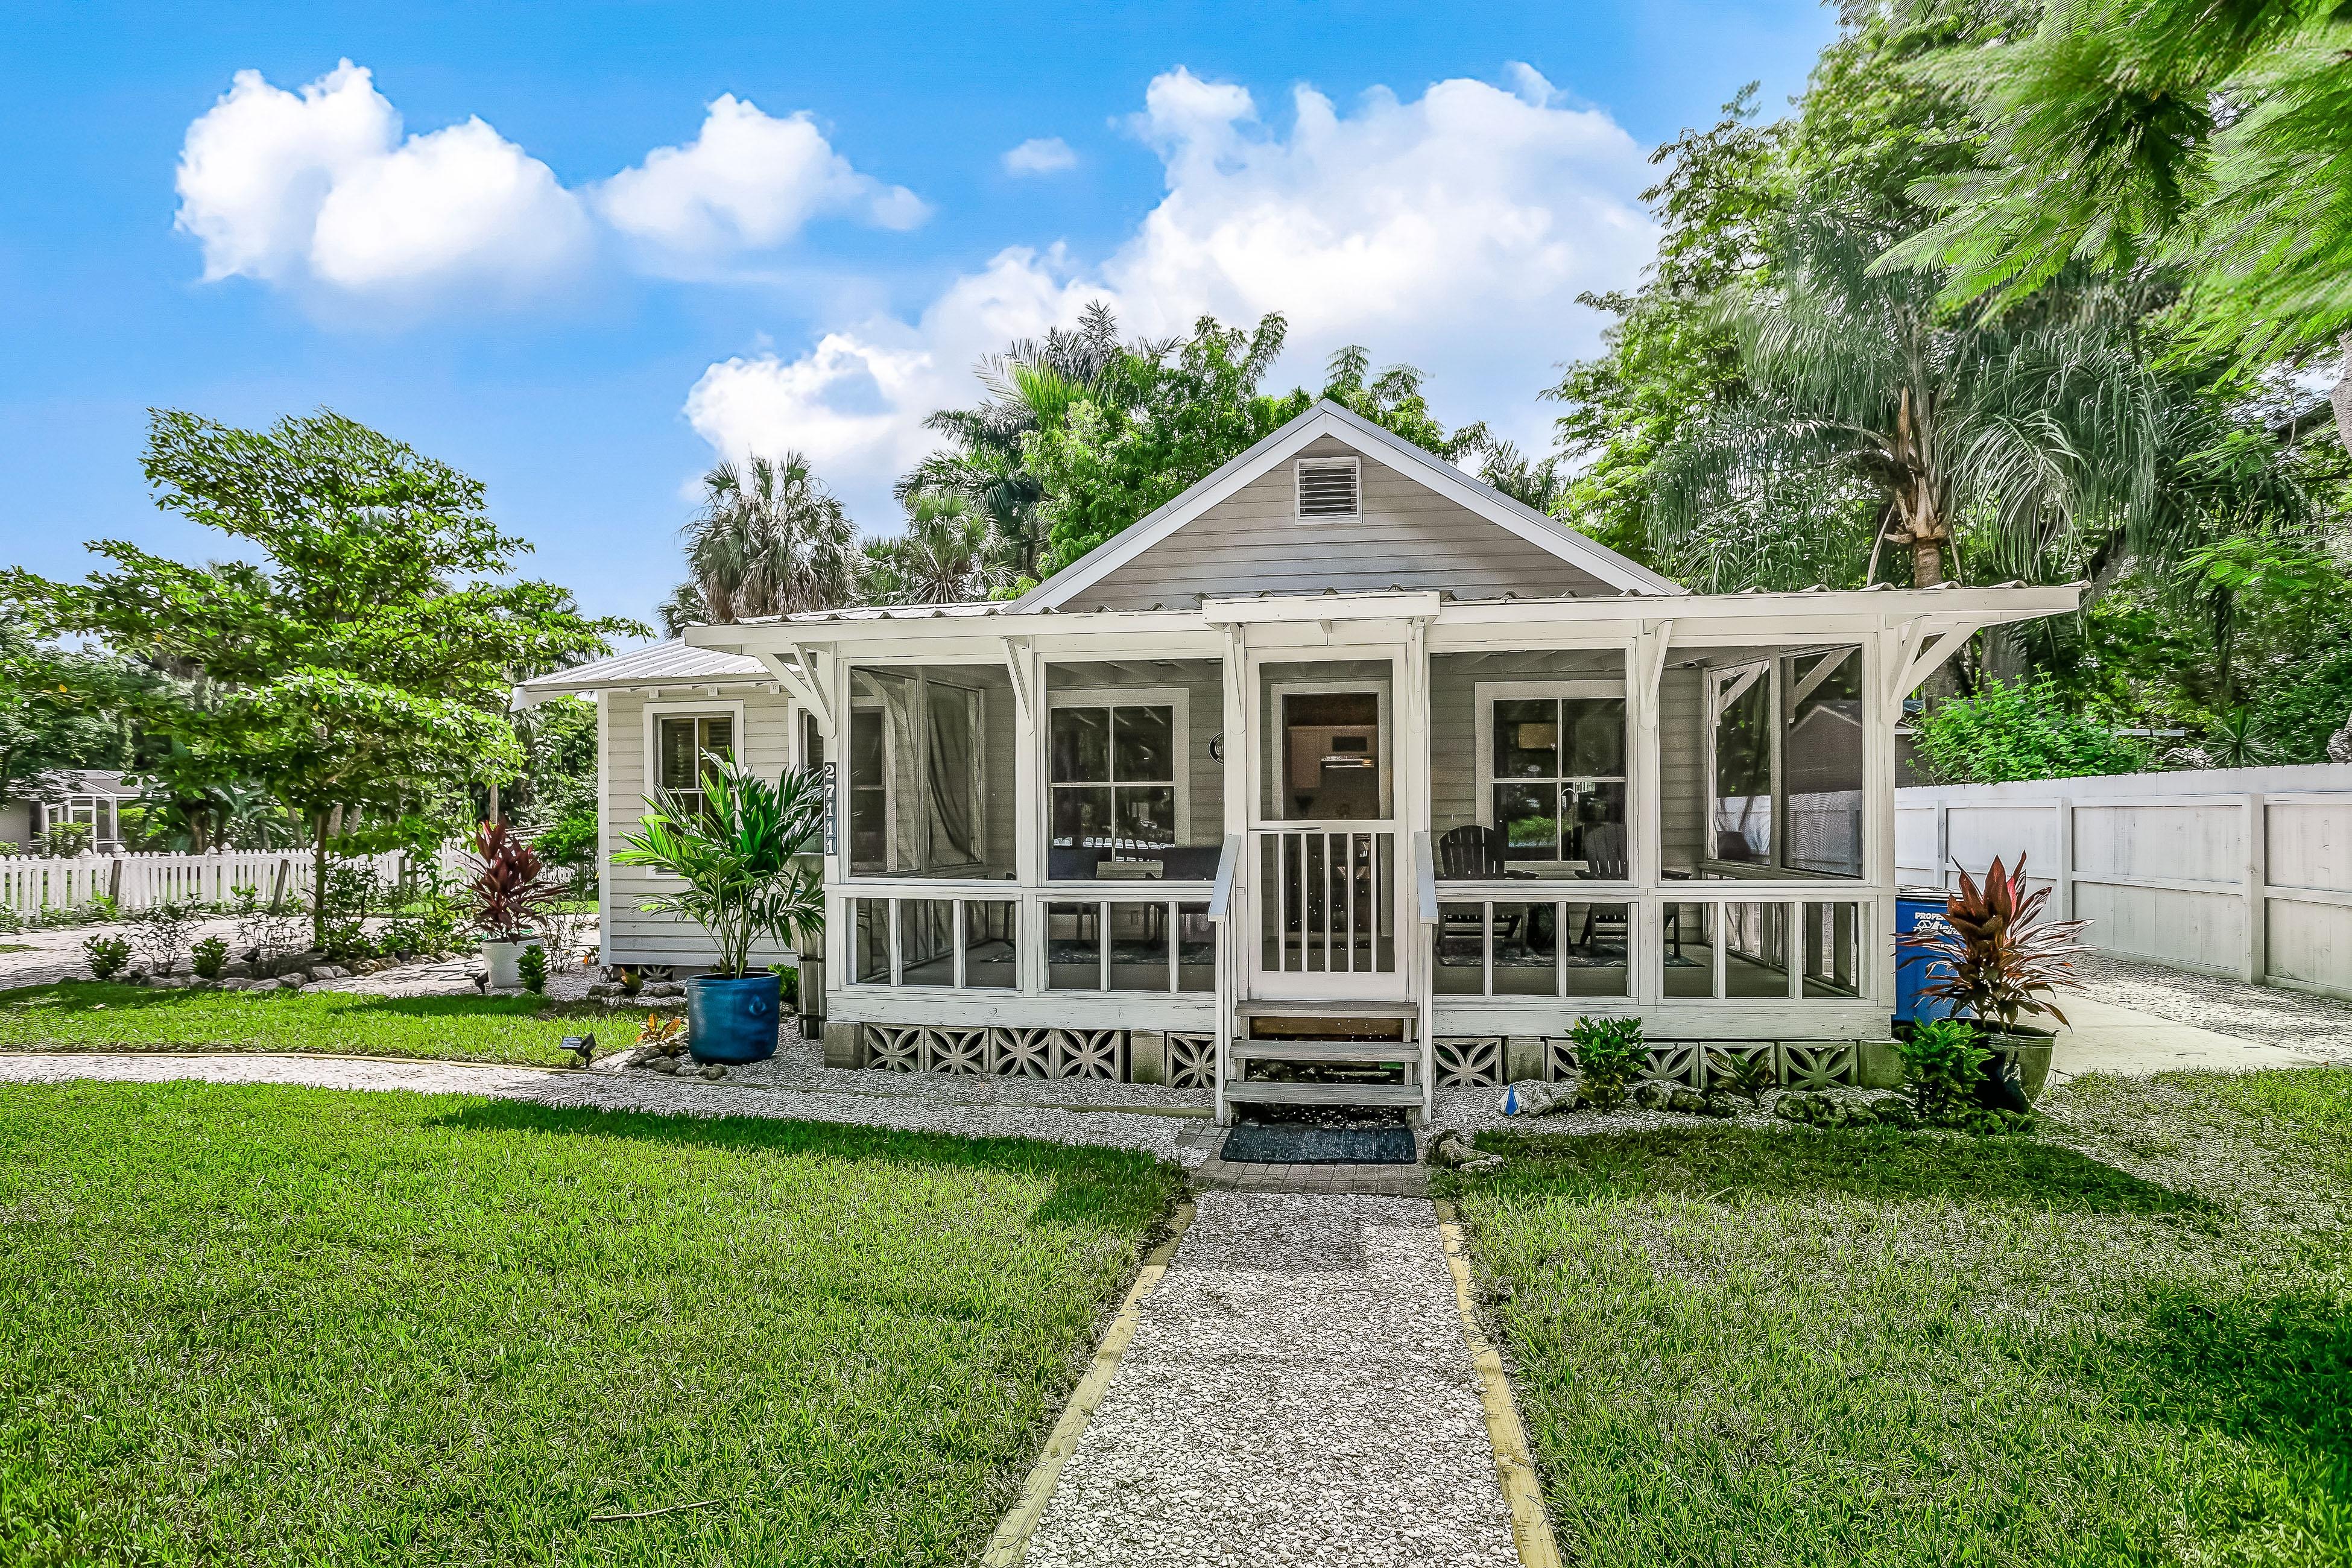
x=1375, y=1051
x=1406, y=1011
x=1324, y=1093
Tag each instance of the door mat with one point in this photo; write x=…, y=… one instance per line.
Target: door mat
x=1261, y=1143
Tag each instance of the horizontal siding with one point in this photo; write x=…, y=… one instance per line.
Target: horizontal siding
x=632, y=935
x=1409, y=536
x=1682, y=768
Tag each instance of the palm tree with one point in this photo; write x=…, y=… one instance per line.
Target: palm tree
x=770, y=540
x=947, y=555
x=1539, y=484
x=2035, y=438
x=683, y=608
x=1031, y=386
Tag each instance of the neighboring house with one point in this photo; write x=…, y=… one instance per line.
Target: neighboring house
x=1339, y=765
x=88, y=796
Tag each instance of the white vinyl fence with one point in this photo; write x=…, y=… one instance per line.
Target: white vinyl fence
x=2244, y=871
x=29, y=885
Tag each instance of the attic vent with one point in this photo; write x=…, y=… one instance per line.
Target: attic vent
x=1327, y=487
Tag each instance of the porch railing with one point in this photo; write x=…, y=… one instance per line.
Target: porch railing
x=1326, y=900
x=1012, y=939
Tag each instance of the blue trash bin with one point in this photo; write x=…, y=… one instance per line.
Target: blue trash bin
x=1916, y=909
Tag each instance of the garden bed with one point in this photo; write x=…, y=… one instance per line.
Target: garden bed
x=2127, y=1340
x=274, y=1325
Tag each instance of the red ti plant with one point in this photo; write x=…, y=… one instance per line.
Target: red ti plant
x=1996, y=955
x=511, y=886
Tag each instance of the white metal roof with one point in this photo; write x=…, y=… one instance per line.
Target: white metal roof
x=675, y=663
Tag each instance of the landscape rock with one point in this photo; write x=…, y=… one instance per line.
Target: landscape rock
x=1533, y=1097
x=237, y=983
x=289, y=983
x=714, y=1071
x=1650, y=1095
x=237, y=968
x=663, y=1065
x=1686, y=1103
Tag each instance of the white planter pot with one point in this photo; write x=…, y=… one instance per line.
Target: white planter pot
x=505, y=961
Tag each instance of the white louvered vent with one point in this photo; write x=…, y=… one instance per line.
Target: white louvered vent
x=1327, y=487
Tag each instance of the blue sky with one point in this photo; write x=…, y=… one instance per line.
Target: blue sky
x=839, y=223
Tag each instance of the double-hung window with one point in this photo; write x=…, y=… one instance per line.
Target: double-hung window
x=1555, y=767
x=1114, y=779
x=685, y=746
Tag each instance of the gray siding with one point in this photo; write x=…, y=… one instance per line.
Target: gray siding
x=1409, y=536
x=1682, y=767
x=630, y=935
x=1454, y=716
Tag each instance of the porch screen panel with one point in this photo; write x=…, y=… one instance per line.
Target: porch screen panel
x=1821, y=763
x=953, y=775
x=1559, y=781
x=991, y=954
x=1742, y=701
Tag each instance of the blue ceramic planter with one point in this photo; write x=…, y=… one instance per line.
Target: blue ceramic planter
x=732, y=1018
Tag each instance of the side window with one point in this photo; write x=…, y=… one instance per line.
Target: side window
x=1559, y=768
x=685, y=746
x=1114, y=779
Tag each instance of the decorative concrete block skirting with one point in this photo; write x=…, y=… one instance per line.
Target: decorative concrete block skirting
x=1480, y=1061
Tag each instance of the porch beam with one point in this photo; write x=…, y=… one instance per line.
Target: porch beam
x=1921, y=662
x=817, y=685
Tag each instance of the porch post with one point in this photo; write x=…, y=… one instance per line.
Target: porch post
x=1240, y=930
x=1645, y=666
x=1884, y=656
x=1026, y=666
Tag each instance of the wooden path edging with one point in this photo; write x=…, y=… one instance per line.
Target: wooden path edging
x=1513, y=1467
x=1010, y=1544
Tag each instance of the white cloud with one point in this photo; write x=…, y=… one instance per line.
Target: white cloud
x=1040, y=155
x=1452, y=232
x=749, y=181
x=319, y=188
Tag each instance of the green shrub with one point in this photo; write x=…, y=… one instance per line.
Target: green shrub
x=1611, y=1055
x=207, y=956
x=531, y=967
x=107, y=955
x=2017, y=730
x=1941, y=1066
x=1747, y=1077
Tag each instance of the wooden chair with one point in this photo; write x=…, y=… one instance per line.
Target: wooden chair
x=1605, y=922
x=1474, y=853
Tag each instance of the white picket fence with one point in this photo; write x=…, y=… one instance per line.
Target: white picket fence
x=29, y=885
x=2244, y=871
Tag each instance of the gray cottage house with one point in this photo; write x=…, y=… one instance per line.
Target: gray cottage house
x=1341, y=777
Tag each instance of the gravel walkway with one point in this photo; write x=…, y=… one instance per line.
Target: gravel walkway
x=1165, y=1137
x=2319, y=1025
x=1298, y=1392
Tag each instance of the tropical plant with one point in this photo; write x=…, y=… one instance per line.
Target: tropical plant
x=206, y=957
x=1747, y=1076
x=666, y=1031
x=2006, y=731
x=1611, y=1056
x=1860, y=394
x=2125, y=132
x=736, y=853
x=1993, y=955
x=511, y=886
x=771, y=540
x=107, y=955
x=1942, y=1065
x=945, y=557
x=531, y=968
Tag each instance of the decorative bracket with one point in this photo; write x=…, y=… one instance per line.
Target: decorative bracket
x=1650, y=654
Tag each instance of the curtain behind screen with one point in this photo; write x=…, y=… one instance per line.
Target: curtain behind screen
x=953, y=806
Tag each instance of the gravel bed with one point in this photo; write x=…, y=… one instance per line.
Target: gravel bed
x=57, y=950
x=1298, y=1392
x=2320, y=1026
x=1164, y=1137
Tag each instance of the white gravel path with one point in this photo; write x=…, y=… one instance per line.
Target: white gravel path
x=1165, y=1137
x=2318, y=1026
x=1298, y=1392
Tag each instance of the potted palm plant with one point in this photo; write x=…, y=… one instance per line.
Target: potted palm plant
x=510, y=890
x=734, y=852
x=1995, y=958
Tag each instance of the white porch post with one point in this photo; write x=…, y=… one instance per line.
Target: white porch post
x=1646, y=666
x=1027, y=668
x=1239, y=934
x=1884, y=657
x=840, y=944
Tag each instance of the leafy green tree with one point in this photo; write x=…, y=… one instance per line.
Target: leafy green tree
x=58, y=710
x=362, y=667
x=2126, y=133
x=2017, y=729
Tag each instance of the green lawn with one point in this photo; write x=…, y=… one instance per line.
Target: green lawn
x=271, y=1325
x=1746, y=1347
x=82, y=1016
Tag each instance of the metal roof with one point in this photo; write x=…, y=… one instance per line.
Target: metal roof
x=675, y=663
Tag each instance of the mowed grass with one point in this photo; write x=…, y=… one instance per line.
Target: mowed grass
x=274, y=1325
x=2128, y=1343
x=83, y=1016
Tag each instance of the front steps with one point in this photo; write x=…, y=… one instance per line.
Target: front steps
x=1339, y=1054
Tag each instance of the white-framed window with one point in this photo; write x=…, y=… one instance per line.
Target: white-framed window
x=1329, y=488
x=684, y=737
x=1116, y=777
x=1551, y=772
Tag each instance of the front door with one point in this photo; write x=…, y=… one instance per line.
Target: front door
x=1325, y=856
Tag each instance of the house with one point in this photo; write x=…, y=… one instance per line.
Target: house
x=1339, y=777
x=91, y=796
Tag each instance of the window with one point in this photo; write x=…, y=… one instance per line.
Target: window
x=685, y=746
x=1554, y=761
x=1328, y=487
x=1115, y=777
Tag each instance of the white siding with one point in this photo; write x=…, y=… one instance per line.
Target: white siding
x=1682, y=767
x=630, y=935
x=1409, y=536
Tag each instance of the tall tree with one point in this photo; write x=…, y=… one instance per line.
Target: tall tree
x=771, y=540
x=59, y=710
x=363, y=665
x=947, y=555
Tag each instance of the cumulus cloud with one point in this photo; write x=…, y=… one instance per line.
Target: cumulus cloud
x=750, y=181
x=1040, y=155
x=319, y=188
x=1452, y=232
